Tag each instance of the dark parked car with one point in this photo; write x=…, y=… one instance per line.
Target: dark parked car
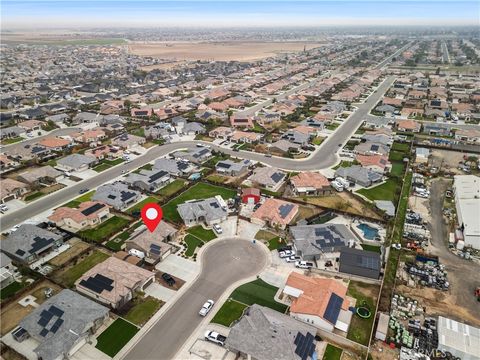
x=168, y=279
x=83, y=191
x=285, y=248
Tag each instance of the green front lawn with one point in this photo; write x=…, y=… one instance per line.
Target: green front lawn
x=172, y=188
x=10, y=290
x=343, y=163
x=265, y=235
x=198, y=191
x=138, y=207
x=85, y=197
x=113, y=162
x=143, y=310
x=33, y=196
x=230, y=311
x=360, y=329
x=274, y=244
x=192, y=243
x=69, y=277
x=385, y=191
x=72, y=204
x=318, y=140
x=258, y=292
x=101, y=167
x=12, y=140
x=332, y=353
x=115, y=337
x=103, y=231
x=201, y=233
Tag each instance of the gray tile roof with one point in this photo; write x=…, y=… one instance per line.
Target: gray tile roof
x=359, y=175
x=76, y=160
x=312, y=240
x=230, y=166
x=360, y=262
x=267, y=176
x=116, y=194
x=173, y=167
x=60, y=322
x=266, y=334
x=210, y=209
x=148, y=179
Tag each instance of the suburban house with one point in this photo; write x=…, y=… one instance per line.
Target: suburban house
x=377, y=163
x=377, y=122
x=314, y=123
x=12, y=189
x=268, y=177
x=31, y=125
x=62, y=325
x=152, y=247
x=117, y=195
x=268, y=118
x=359, y=175
x=11, y=132
x=313, y=241
x=174, y=167
x=76, y=162
x=145, y=112
x=319, y=301
x=265, y=334
x=128, y=141
x=360, y=263
x=148, y=180
x=250, y=195
x=275, y=212
x=221, y=132
x=89, y=136
x=109, y=152
x=41, y=176
x=239, y=136
x=88, y=214
x=197, y=155
x=6, y=271
x=436, y=129
x=55, y=143
x=372, y=148
x=114, y=282
x=158, y=131
x=30, y=242
x=409, y=126
x=310, y=183
x=283, y=146
x=241, y=121
x=86, y=117
x=206, y=211
x=471, y=136
x=231, y=168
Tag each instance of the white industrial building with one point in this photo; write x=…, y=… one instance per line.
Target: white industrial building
x=467, y=202
x=461, y=340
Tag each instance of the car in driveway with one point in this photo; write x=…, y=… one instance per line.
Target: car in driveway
x=285, y=247
x=215, y=337
x=168, y=279
x=303, y=264
x=286, y=253
x=217, y=228
x=206, y=308
x=293, y=259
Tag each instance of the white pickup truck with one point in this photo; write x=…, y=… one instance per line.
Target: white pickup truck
x=215, y=337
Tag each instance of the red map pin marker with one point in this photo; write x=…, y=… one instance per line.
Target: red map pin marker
x=152, y=215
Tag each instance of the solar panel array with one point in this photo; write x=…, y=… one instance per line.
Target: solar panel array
x=50, y=320
x=285, y=210
x=333, y=308
x=182, y=166
x=92, y=209
x=157, y=176
x=223, y=165
x=155, y=249
x=276, y=177
x=368, y=262
x=374, y=147
x=98, y=283
x=305, y=345
x=327, y=237
x=125, y=195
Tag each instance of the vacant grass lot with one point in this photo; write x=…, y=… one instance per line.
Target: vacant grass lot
x=70, y=275
x=172, y=188
x=114, y=338
x=385, y=191
x=143, y=310
x=332, y=353
x=192, y=243
x=105, y=230
x=258, y=292
x=230, y=311
x=198, y=191
x=201, y=233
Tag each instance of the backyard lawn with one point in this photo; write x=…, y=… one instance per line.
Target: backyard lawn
x=143, y=310
x=230, y=311
x=397, y=168
x=332, y=353
x=372, y=248
x=68, y=277
x=172, y=188
x=402, y=147
x=385, y=191
x=114, y=338
x=10, y=290
x=105, y=230
x=198, y=191
x=360, y=329
x=138, y=207
x=192, y=243
x=258, y=292
x=201, y=233
x=396, y=156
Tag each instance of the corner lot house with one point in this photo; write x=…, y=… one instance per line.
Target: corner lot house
x=197, y=156
x=63, y=324
x=88, y=214
x=268, y=178
x=11, y=189
x=310, y=183
x=114, y=281
x=318, y=301
x=207, y=211
x=148, y=180
x=30, y=243
x=117, y=195
x=275, y=212
x=360, y=262
x=313, y=241
x=266, y=334
x=76, y=162
x=359, y=175
x=174, y=167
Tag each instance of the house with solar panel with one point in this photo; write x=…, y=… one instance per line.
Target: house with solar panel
x=174, y=167
x=209, y=211
x=266, y=334
x=88, y=214
x=319, y=301
x=274, y=212
x=117, y=195
x=312, y=242
x=372, y=148
x=113, y=282
x=30, y=243
x=197, y=155
x=61, y=325
x=359, y=175
x=269, y=178
x=148, y=180
x=360, y=262
x=232, y=168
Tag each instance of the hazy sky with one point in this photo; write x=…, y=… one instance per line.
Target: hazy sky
x=147, y=13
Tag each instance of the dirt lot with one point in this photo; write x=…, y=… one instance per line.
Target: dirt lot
x=447, y=160
x=14, y=312
x=220, y=51
x=382, y=351
x=77, y=247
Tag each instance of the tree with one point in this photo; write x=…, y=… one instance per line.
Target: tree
x=207, y=101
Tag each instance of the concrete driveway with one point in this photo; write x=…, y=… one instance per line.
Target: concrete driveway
x=224, y=262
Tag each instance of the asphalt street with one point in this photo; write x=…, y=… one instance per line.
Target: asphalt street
x=57, y=132
x=323, y=158
x=223, y=263
x=388, y=59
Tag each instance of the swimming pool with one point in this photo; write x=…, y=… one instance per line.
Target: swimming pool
x=369, y=232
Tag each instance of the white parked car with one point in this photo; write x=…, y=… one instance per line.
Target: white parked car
x=286, y=253
x=206, y=308
x=292, y=259
x=303, y=264
x=217, y=229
